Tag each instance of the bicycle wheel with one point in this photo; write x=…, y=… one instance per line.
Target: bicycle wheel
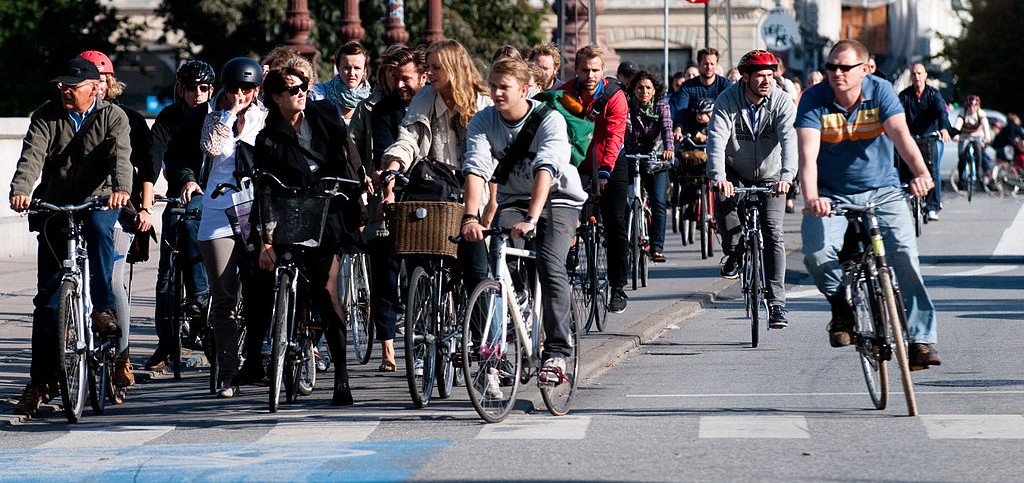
x=579, y=276
x=970, y=173
x=306, y=380
x=871, y=337
x=71, y=370
x=420, y=343
x=210, y=348
x=897, y=322
x=634, y=244
x=446, y=345
x=279, y=337
x=491, y=355
x=175, y=307
x=559, y=397
x=599, y=279
x=919, y=218
x=755, y=295
x=359, y=310
x=703, y=224
x=645, y=250
x=101, y=381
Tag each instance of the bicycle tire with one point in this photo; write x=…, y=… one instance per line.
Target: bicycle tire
x=210, y=348
x=578, y=265
x=109, y=393
x=971, y=172
x=919, y=217
x=419, y=342
x=896, y=325
x=359, y=310
x=704, y=224
x=279, y=337
x=754, y=300
x=600, y=280
x=71, y=368
x=871, y=334
x=558, y=398
x=175, y=311
x=634, y=244
x=307, y=367
x=446, y=331
x=499, y=368
x=95, y=397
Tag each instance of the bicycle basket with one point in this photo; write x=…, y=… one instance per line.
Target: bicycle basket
x=423, y=227
x=293, y=219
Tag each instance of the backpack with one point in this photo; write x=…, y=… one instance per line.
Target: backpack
x=580, y=125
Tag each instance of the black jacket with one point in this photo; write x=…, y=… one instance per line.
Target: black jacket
x=183, y=160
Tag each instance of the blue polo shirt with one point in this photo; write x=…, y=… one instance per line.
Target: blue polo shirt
x=856, y=155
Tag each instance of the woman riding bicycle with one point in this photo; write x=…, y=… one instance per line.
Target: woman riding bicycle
x=974, y=131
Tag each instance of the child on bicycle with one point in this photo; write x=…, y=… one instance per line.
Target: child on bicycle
x=538, y=191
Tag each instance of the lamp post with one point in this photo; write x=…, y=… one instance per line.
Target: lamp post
x=351, y=27
x=394, y=27
x=434, y=31
x=298, y=23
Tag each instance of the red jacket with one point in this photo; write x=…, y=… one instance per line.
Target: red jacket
x=609, y=129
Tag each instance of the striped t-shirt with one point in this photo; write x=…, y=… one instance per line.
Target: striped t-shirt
x=856, y=155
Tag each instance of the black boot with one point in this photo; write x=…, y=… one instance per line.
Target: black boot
x=840, y=329
x=342, y=394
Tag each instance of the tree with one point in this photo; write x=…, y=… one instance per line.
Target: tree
x=38, y=37
x=987, y=58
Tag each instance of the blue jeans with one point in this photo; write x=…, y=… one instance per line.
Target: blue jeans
x=823, y=238
x=657, y=186
x=98, y=231
x=195, y=273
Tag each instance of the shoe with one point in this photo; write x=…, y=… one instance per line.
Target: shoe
x=251, y=375
x=104, y=323
x=933, y=216
x=658, y=257
x=790, y=206
x=198, y=306
x=321, y=364
x=157, y=361
x=731, y=267
x=923, y=355
x=619, y=301
x=32, y=397
x=492, y=388
x=123, y=375
x=227, y=392
x=777, y=317
x=840, y=329
x=342, y=395
x=553, y=371
x=417, y=368
x=388, y=366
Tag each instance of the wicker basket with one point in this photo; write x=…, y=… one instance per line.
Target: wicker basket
x=423, y=227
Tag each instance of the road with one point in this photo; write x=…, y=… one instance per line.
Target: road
x=692, y=402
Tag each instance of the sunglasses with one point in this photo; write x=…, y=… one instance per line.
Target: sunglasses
x=204, y=88
x=295, y=90
x=845, y=68
x=244, y=88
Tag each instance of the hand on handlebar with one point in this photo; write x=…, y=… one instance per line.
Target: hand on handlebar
x=726, y=188
x=267, y=257
x=117, y=200
x=472, y=232
x=20, y=203
x=820, y=207
x=920, y=185
x=188, y=189
x=782, y=187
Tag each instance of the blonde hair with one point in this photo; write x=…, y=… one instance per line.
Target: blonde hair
x=586, y=53
x=464, y=80
x=286, y=56
x=114, y=87
x=516, y=68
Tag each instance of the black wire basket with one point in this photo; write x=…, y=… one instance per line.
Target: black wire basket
x=292, y=219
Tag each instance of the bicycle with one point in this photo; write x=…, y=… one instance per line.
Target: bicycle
x=752, y=276
x=491, y=360
x=80, y=357
x=701, y=205
x=638, y=220
x=354, y=289
x=588, y=268
x=871, y=289
x=969, y=178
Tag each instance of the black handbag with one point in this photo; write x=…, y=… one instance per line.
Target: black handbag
x=431, y=180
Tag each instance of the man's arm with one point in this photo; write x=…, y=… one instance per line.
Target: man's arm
x=809, y=146
x=788, y=143
x=611, y=132
x=720, y=130
x=121, y=170
x=30, y=164
x=896, y=128
x=939, y=107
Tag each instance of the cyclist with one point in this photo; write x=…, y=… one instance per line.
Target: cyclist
x=972, y=123
x=706, y=85
x=542, y=193
x=650, y=129
x=193, y=86
x=693, y=162
x=846, y=129
x=77, y=146
x=926, y=118
x=752, y=142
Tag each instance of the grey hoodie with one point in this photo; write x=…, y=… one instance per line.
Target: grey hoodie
x=766, y=152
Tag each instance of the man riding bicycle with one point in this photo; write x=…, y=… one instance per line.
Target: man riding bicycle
x=751, y=141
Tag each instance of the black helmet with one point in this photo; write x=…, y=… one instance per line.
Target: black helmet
x=195, y=72
x=242, y=70
x=705, y=104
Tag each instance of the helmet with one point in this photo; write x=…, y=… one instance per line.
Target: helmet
x=242, y=70
x=195, y=72
x=102, y=62
x=756, y=60
x=705, y=104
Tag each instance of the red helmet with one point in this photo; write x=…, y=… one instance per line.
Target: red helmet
x=756, y=60
x=101, y=60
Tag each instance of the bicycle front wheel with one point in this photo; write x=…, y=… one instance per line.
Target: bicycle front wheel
x=420, y=343
x=559, y=397
x=897, y=321
x=279, y=338
x=599, y=279
x=755, y=295
x=871, y=337
x=73, y=352
x=634, y=245
x=704, y=223
x=446, y=333
x=490, y=352
x=359, y=310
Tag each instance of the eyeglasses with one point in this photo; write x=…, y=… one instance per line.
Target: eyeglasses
x=204, y=88
x=845, y=68
x=69, y=87
x=244, y=88
x=295, y=90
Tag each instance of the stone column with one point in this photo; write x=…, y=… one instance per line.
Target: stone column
x=298, y=23
x=434, y=31
x=351, y=27
x=394, y=27
x=577, y=33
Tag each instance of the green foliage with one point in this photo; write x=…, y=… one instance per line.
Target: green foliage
x=987, y=59
x=38, y=37
x=219, y=30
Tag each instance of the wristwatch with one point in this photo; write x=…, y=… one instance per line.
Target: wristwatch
x=147, y=210
x=529, y=219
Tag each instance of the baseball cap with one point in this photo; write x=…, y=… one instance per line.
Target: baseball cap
x=78, y=70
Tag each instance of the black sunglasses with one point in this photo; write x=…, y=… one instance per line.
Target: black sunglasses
x=845, y=68
x=245, y=88
x=295, y=90
x=204, y=88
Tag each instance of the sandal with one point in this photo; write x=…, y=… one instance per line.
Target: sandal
x=387, y=366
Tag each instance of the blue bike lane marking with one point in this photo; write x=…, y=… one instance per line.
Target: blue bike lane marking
x=369, y=461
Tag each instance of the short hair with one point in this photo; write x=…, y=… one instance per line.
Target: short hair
x=627, y=69
x=850, y=44
x=398, y=55
x=706, y=52
x=288, y=56
x=275, y=83
x=506, y=51
x=514, y=67
x=548, y=49
x=540, y=77
x=659, y=86
x=350, y=48
x=586, y=53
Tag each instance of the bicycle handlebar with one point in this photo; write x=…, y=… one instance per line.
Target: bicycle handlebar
x=688, y=140
x=496, y=232
x=96, y=203
x=389, y=174
x=176, y=206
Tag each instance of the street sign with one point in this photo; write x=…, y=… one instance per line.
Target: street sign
x=779, y=31
x=697, y=1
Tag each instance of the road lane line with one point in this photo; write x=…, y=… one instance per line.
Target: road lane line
x=342, y=430
x=806, y=394
x=537, y=427
x=108, y=436
x=973, y=426
x=774, y=427
x=1012, y=241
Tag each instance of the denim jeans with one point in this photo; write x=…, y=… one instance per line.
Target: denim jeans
x=384, y=267
x=122, y=243
x=196, y=281
x=823, y=238
x=98, y=231
x=657, y=186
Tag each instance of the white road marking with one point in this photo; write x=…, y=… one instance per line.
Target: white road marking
x=776, y=427
x=108, y=436
x=804, y=294
x=809, y=394
x=1012, y=241
x=976, y=272
x=342, y=430
x=539, y=427
x=974, y=426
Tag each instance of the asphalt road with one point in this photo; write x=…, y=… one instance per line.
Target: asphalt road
x=674, y=393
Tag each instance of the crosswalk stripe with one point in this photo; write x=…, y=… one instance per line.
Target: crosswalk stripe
x=342, y=430
x=974, y=426
x=537, y=427
x=781, y=427
x=109, y=436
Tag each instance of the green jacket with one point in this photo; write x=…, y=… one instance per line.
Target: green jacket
x=97, y=164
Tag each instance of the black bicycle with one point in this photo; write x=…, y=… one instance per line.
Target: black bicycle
x=752, y=275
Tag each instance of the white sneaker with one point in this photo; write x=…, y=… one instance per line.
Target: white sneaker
x=493, y=387
x=933, y=216
x=553, y=371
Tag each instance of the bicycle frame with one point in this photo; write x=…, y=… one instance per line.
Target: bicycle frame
x=504, y=277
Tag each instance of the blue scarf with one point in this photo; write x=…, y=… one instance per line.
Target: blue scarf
x=340, y=94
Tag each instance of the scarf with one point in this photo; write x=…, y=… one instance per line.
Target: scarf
x=647, y=110
x=340, y=94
